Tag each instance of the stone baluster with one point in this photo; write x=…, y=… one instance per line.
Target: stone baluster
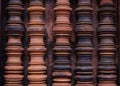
x=62, y=30
x=14, y=31
x=36, y=31
x=84, y=48
x=107, y=49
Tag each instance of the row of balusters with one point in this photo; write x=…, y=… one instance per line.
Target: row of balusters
x=61, y=69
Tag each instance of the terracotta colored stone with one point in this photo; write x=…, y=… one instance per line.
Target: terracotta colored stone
x=106, y=2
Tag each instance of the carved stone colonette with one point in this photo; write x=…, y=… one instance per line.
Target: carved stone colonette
x=63, y=71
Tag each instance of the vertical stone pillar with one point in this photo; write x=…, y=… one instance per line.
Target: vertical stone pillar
x=84, y=48
x=36, y=30
x=62, y=30
x=107, y=49
x=14, y=31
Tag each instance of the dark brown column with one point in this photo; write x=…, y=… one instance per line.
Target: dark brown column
x=84, y=47
x=107, y=70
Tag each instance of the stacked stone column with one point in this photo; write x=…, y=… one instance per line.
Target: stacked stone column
x=84, y=47
x=62, y=29
x=14, y=31
x=107, y=49
x=36, y=30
